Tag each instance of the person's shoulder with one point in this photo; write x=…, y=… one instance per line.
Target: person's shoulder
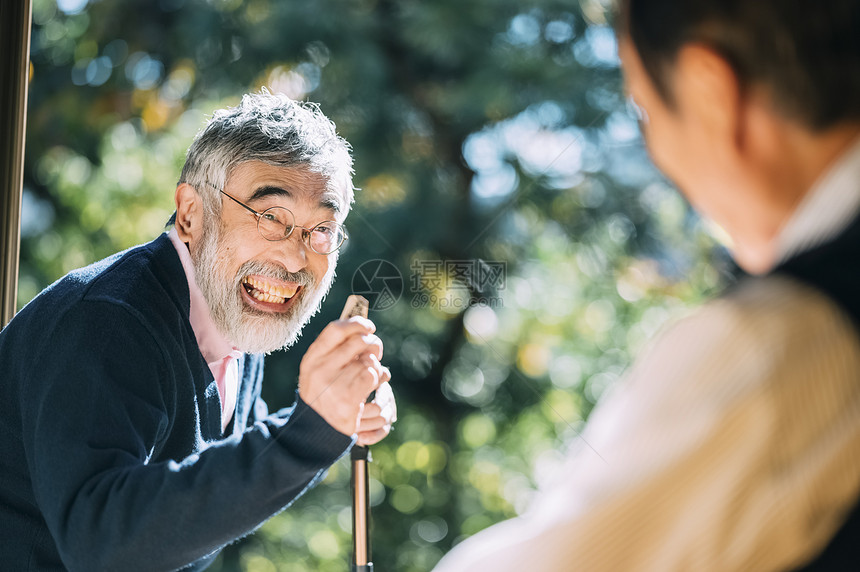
x=134, y=274
x=129, y=291
x=767, y=316
x=119, y=268
x=758, y=333
x=143, y=281
x=777, y=309
x=146, y=283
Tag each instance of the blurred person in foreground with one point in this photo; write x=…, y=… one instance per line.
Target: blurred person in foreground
x=734, y=441
x=132, y=431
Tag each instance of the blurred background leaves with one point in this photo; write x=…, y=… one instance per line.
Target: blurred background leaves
x=486, y=133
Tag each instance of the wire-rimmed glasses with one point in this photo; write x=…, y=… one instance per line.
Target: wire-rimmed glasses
x=277, y=223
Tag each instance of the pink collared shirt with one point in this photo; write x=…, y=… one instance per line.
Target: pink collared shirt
x=221, y=356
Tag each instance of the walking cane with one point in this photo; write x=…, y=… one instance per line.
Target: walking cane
x=360, y=456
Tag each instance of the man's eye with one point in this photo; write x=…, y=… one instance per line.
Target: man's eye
x=326, y=230
x=270, y=217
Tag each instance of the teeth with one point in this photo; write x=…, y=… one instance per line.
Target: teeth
x=265, y=292
x=263, y=297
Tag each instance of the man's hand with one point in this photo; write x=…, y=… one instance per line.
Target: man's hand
x=340, y=370
x=377, y=416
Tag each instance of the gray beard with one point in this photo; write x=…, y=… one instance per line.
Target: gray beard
x=250, y=330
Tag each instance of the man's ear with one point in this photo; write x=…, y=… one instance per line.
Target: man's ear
x=711, y=95
x=189, y=213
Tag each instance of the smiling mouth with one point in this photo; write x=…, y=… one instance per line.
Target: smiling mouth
x=268, y=292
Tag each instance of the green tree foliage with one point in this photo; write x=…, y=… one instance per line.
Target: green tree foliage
x=501, y=176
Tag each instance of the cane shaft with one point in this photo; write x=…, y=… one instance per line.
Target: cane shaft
x=360, y=510
x=360, y=456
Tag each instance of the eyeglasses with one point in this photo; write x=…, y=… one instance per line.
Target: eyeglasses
x=277, y=223
x=637, y=112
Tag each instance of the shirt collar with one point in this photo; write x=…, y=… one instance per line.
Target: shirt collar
x=829, y=206
x=214, y=346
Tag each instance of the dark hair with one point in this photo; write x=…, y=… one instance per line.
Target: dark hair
x=806, y=54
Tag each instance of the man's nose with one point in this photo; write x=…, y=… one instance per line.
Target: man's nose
x=293, y=252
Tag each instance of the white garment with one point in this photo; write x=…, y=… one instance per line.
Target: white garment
x=732, y=444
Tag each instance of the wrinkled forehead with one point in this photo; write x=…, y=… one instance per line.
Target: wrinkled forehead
x=297, y=185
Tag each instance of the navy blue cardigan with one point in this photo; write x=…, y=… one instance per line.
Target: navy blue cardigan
x=111, y=451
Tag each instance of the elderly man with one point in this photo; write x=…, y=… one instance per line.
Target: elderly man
x=734, y=442
x=133, y=432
